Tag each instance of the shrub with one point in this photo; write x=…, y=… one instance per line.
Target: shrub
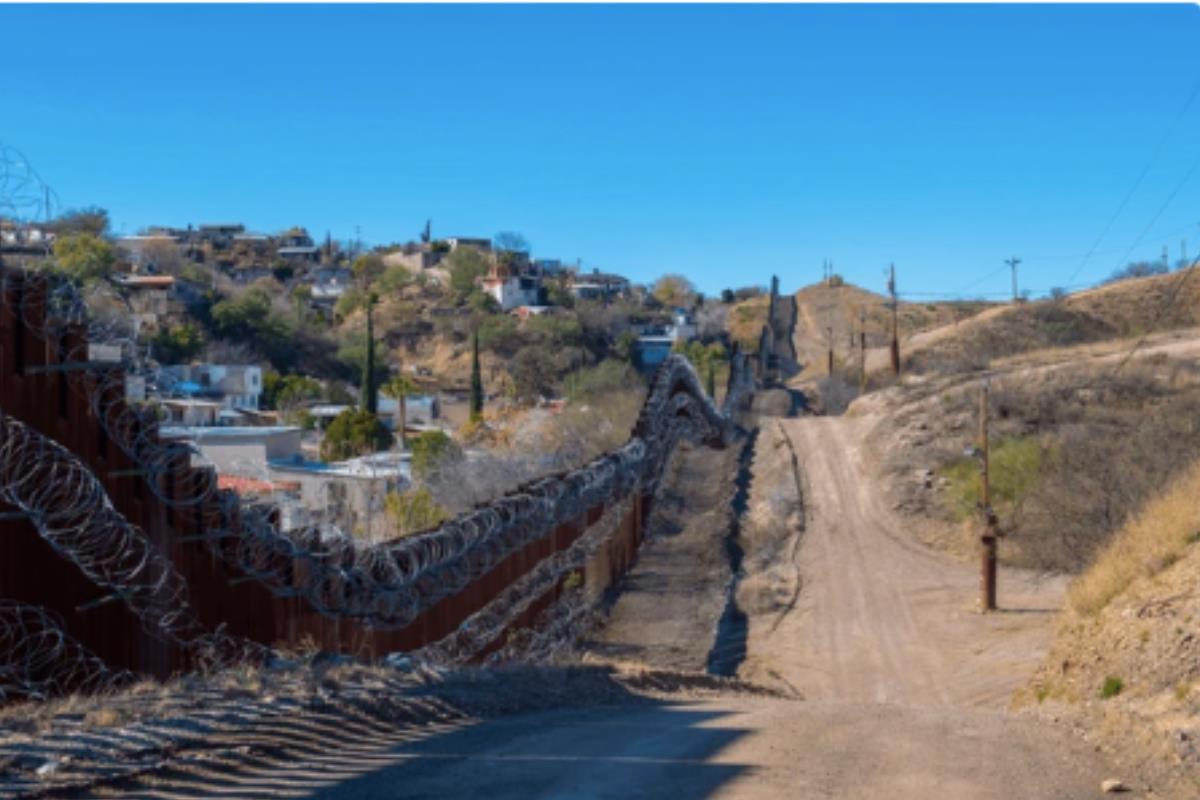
x=85, y=257
x=1112, y=687
x=354, y=433
x=607, y=376
x=429, y=449
x=1015, y=464
x=1153, y=540
x=177, y=344
x=413, y=511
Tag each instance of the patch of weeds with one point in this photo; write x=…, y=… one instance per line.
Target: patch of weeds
x=1042, y=692
x=1181, y=691
x=1015, y=465
x=1112, y=687
x=1193, y=537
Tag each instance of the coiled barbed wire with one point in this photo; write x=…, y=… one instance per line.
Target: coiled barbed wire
x=39, y=660
x=386, y=585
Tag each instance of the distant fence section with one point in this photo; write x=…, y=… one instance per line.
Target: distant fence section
x=134, y=560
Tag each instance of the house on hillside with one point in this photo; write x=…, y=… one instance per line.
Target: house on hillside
x=548, y=266
x=456, y=242
x=235, y=386
x=597, y=285
x=219, y=235
x=246, y=274
x=511, y=290
x=24, y=237
x=415, y=257
x=150, y=297
x=299, y=254
x=328, y=285
x=140, y=251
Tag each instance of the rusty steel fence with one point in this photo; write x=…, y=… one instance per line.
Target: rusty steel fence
x=141, y=563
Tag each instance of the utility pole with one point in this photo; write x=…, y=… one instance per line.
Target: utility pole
x=987, y=566
x=862, y=347
x=1183, y=252
x=895, y=322
x=1166, y=259
x=829, y=340
x=1013, y=262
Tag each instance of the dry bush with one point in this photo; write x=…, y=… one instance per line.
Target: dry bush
x=1107, y=458
x=1029, y=327
x=547, y=443
x=1153, y=539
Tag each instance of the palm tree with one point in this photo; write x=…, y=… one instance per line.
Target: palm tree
x=399, y=388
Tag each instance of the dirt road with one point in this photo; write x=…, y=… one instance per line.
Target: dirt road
x=903, y=683
x=880, y=618
x=895, y=688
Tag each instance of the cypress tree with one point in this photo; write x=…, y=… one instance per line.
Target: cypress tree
x=476, y=381
x=368, y=399
x=711, y=381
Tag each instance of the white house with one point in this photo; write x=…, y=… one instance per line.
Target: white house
x=510, y=291
x=236, y=386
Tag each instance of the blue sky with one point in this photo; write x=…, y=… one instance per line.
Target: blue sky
x=728, y=143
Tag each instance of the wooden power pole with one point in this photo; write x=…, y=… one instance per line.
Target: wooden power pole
x=987, y=566
x=829, y=341
x=862, y=347
x=895, y=322
x=1012, y=264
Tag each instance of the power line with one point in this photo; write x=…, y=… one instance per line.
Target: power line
x=1137, y=183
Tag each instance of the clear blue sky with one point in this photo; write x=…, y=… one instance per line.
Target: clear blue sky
x=724, y=142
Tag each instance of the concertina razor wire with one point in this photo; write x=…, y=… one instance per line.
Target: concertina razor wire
x=385, y=585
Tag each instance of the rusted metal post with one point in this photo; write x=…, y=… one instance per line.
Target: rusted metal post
x=987, y=567
x=895, y=322
x=829, y=339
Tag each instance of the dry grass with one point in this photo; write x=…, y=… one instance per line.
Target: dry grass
x=1153, y=540
x=745, y=321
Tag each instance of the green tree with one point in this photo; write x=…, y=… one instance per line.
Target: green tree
x=414, y=511
x=625, y=347
x=91, y=220
x=674, y=291
x=301, y=296
x=354, y=432
x=429, y=449
x=465, y=265
x=368, y=268
x=177, y=344
x=84, y=257
x=476, y=381
x=399, y=388
x=510, y=246
x=370, y=401
x=290, y=391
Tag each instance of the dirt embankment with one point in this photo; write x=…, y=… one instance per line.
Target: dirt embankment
x=1126, y=662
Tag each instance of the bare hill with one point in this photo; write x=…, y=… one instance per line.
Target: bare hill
x=836, y=313
x=1121, y=310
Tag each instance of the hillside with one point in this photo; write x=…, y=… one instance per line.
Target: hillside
x=1127, y=662
x=1130, y=308
x=844, y=308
